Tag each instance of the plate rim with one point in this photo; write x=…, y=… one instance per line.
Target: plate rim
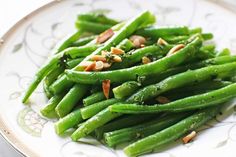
x=5, y=131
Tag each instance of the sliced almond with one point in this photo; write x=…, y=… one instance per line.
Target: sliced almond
x=146, y=60
x=117, y=51
x=90, y=67
x=142, y=45
x=189, y=137
x=175, y=49
x=105, y=36
x=116, y=58
x=162, y=99
x=104, y=53
x=85, y=63
x=106, y=65
x=98, y=58
x=99, y=66
x=138, y=40
x=161, y=41
x=106, y=84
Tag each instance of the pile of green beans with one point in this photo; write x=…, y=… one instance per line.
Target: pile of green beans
x=164, y=83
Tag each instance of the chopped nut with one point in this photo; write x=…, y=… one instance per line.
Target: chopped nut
x=98, y=58
x=85, y=63
x=104, y=53
x=105, y=36
x=175, y=49
x=117, y=51
x=161, y=41
x=189, y=137
x=162, y=99
x=116, y=58
x=106, y=65
x=106, y=87
x=90, y=67
x=138, y=40
x=142, y=45
x=146, y=60
x=99, y=66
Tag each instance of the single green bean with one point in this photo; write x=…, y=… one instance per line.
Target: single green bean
x=94, y=98
x=98, y=18
x=49, y=110
x=157, y=32
x=68, y=122
x=125, y=89
x=224, y=52
x=72, y=63
x=160, y=139
x=93, y=27
x=70, y=100
x=83, y=41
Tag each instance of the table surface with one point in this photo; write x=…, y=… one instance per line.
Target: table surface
x=10, y=12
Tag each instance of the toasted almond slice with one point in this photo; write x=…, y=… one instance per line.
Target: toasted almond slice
x=138, y=40
x=142, y=45
x=161, y=41
x=117, y=51
x=106, y=87
x=146, y=60
x=175, y=49
x=106, y=65
x=162, y=99
x=99, y=66
x=85, y=63
x=98, y=58
x=104, y=53
x=116, y=58
x=189, y=137
x=105, y=36
x=90, y=67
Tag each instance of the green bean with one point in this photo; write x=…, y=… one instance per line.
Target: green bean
x=72, y=63
x=70, y=100
x=49, y=110
x=67, y=41
x=224, y=52
x=98, y=18
x=94, y=98
x=126, y=89
x=124, y=31
x=91, y=110
x=122, y=75
x=68, y=122
x=53, y=63
x=175, y=39
x=142, y=130
x=157, y=32
x=137, y=55
x=83, y=41
x=195, y=30
x=91, y=124
x=123, y=122
x=190, y=103
x=125, y=45
x=93, y=27
x=46, y=90
x=182, y=79
x=207, y=36
x=158, y=140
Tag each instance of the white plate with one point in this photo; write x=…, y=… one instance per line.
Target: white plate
x=26, y=46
